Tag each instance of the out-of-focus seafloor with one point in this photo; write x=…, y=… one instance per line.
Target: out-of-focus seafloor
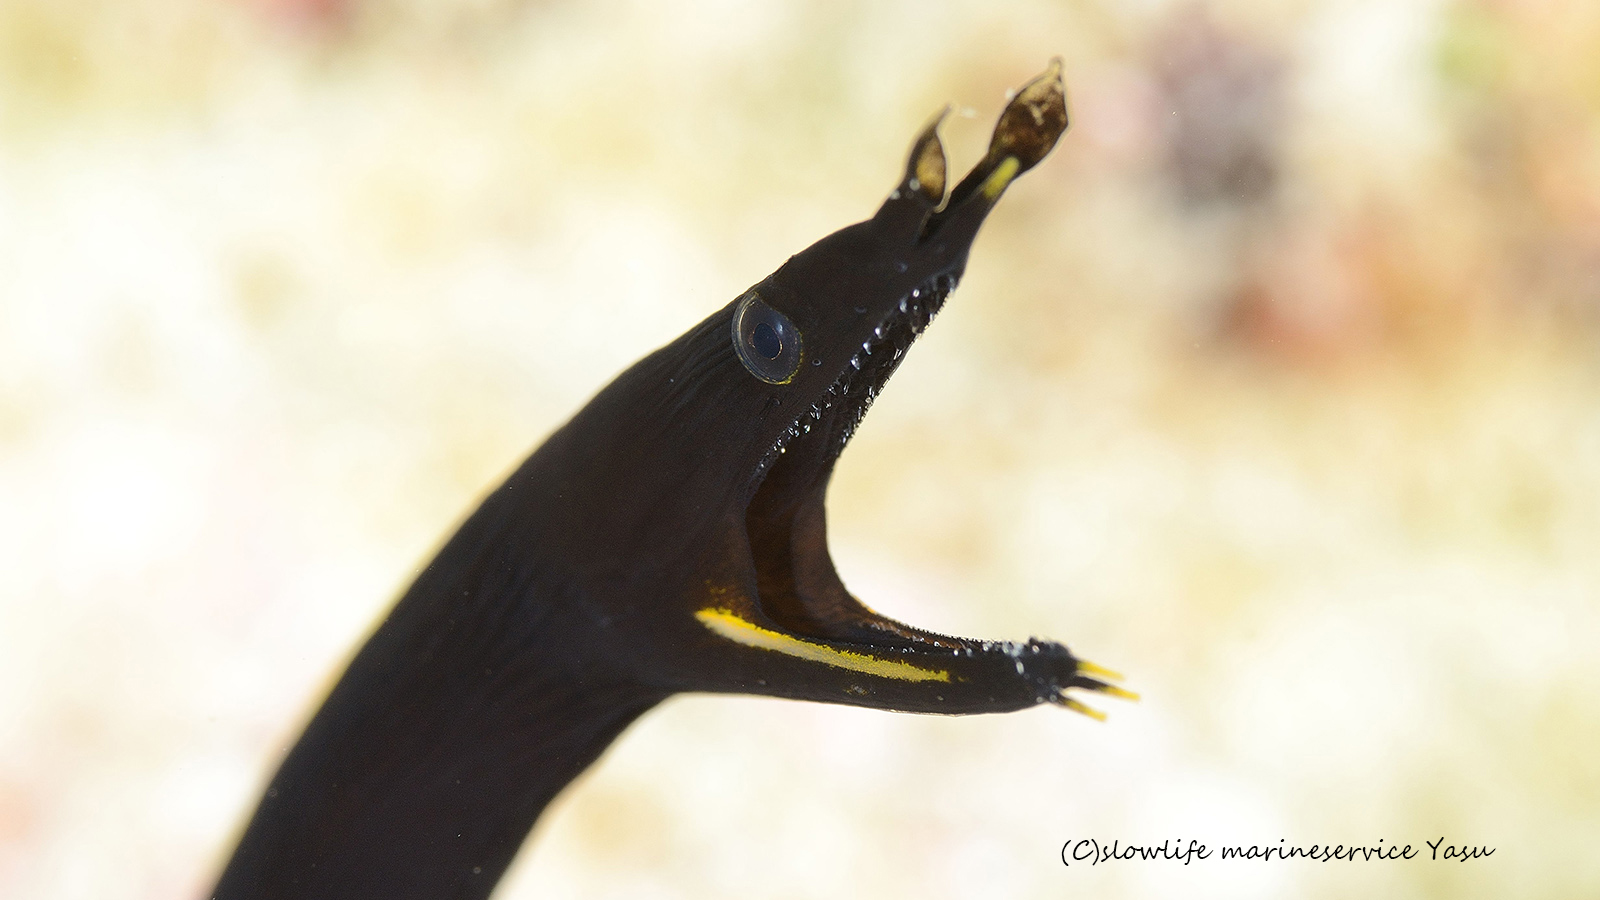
x=1277, y=387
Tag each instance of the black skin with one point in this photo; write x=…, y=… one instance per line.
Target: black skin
x=566, y=606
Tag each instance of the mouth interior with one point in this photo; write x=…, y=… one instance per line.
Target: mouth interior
x=786, y=520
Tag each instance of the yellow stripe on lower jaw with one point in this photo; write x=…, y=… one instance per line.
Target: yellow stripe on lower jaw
x=727, y=624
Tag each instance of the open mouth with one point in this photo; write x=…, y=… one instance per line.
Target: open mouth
x=799, y=588
x=798, y=591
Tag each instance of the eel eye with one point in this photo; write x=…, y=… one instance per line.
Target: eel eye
x=767, y=342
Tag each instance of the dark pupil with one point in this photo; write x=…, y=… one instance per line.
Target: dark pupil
x=765, y=340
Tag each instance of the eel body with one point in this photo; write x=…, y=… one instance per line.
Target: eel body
x=671, y=537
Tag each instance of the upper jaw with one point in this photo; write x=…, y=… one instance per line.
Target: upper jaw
x=836, y=408
x=872, y=288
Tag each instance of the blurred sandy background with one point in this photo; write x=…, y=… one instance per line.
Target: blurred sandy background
x=1276, y=386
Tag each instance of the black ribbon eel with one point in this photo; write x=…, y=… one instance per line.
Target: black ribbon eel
x=671, y=537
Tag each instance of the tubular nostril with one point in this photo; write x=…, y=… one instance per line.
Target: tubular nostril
x=1028, y=129
x=925, y=170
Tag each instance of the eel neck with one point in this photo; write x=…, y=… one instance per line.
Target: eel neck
x=451, y=731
